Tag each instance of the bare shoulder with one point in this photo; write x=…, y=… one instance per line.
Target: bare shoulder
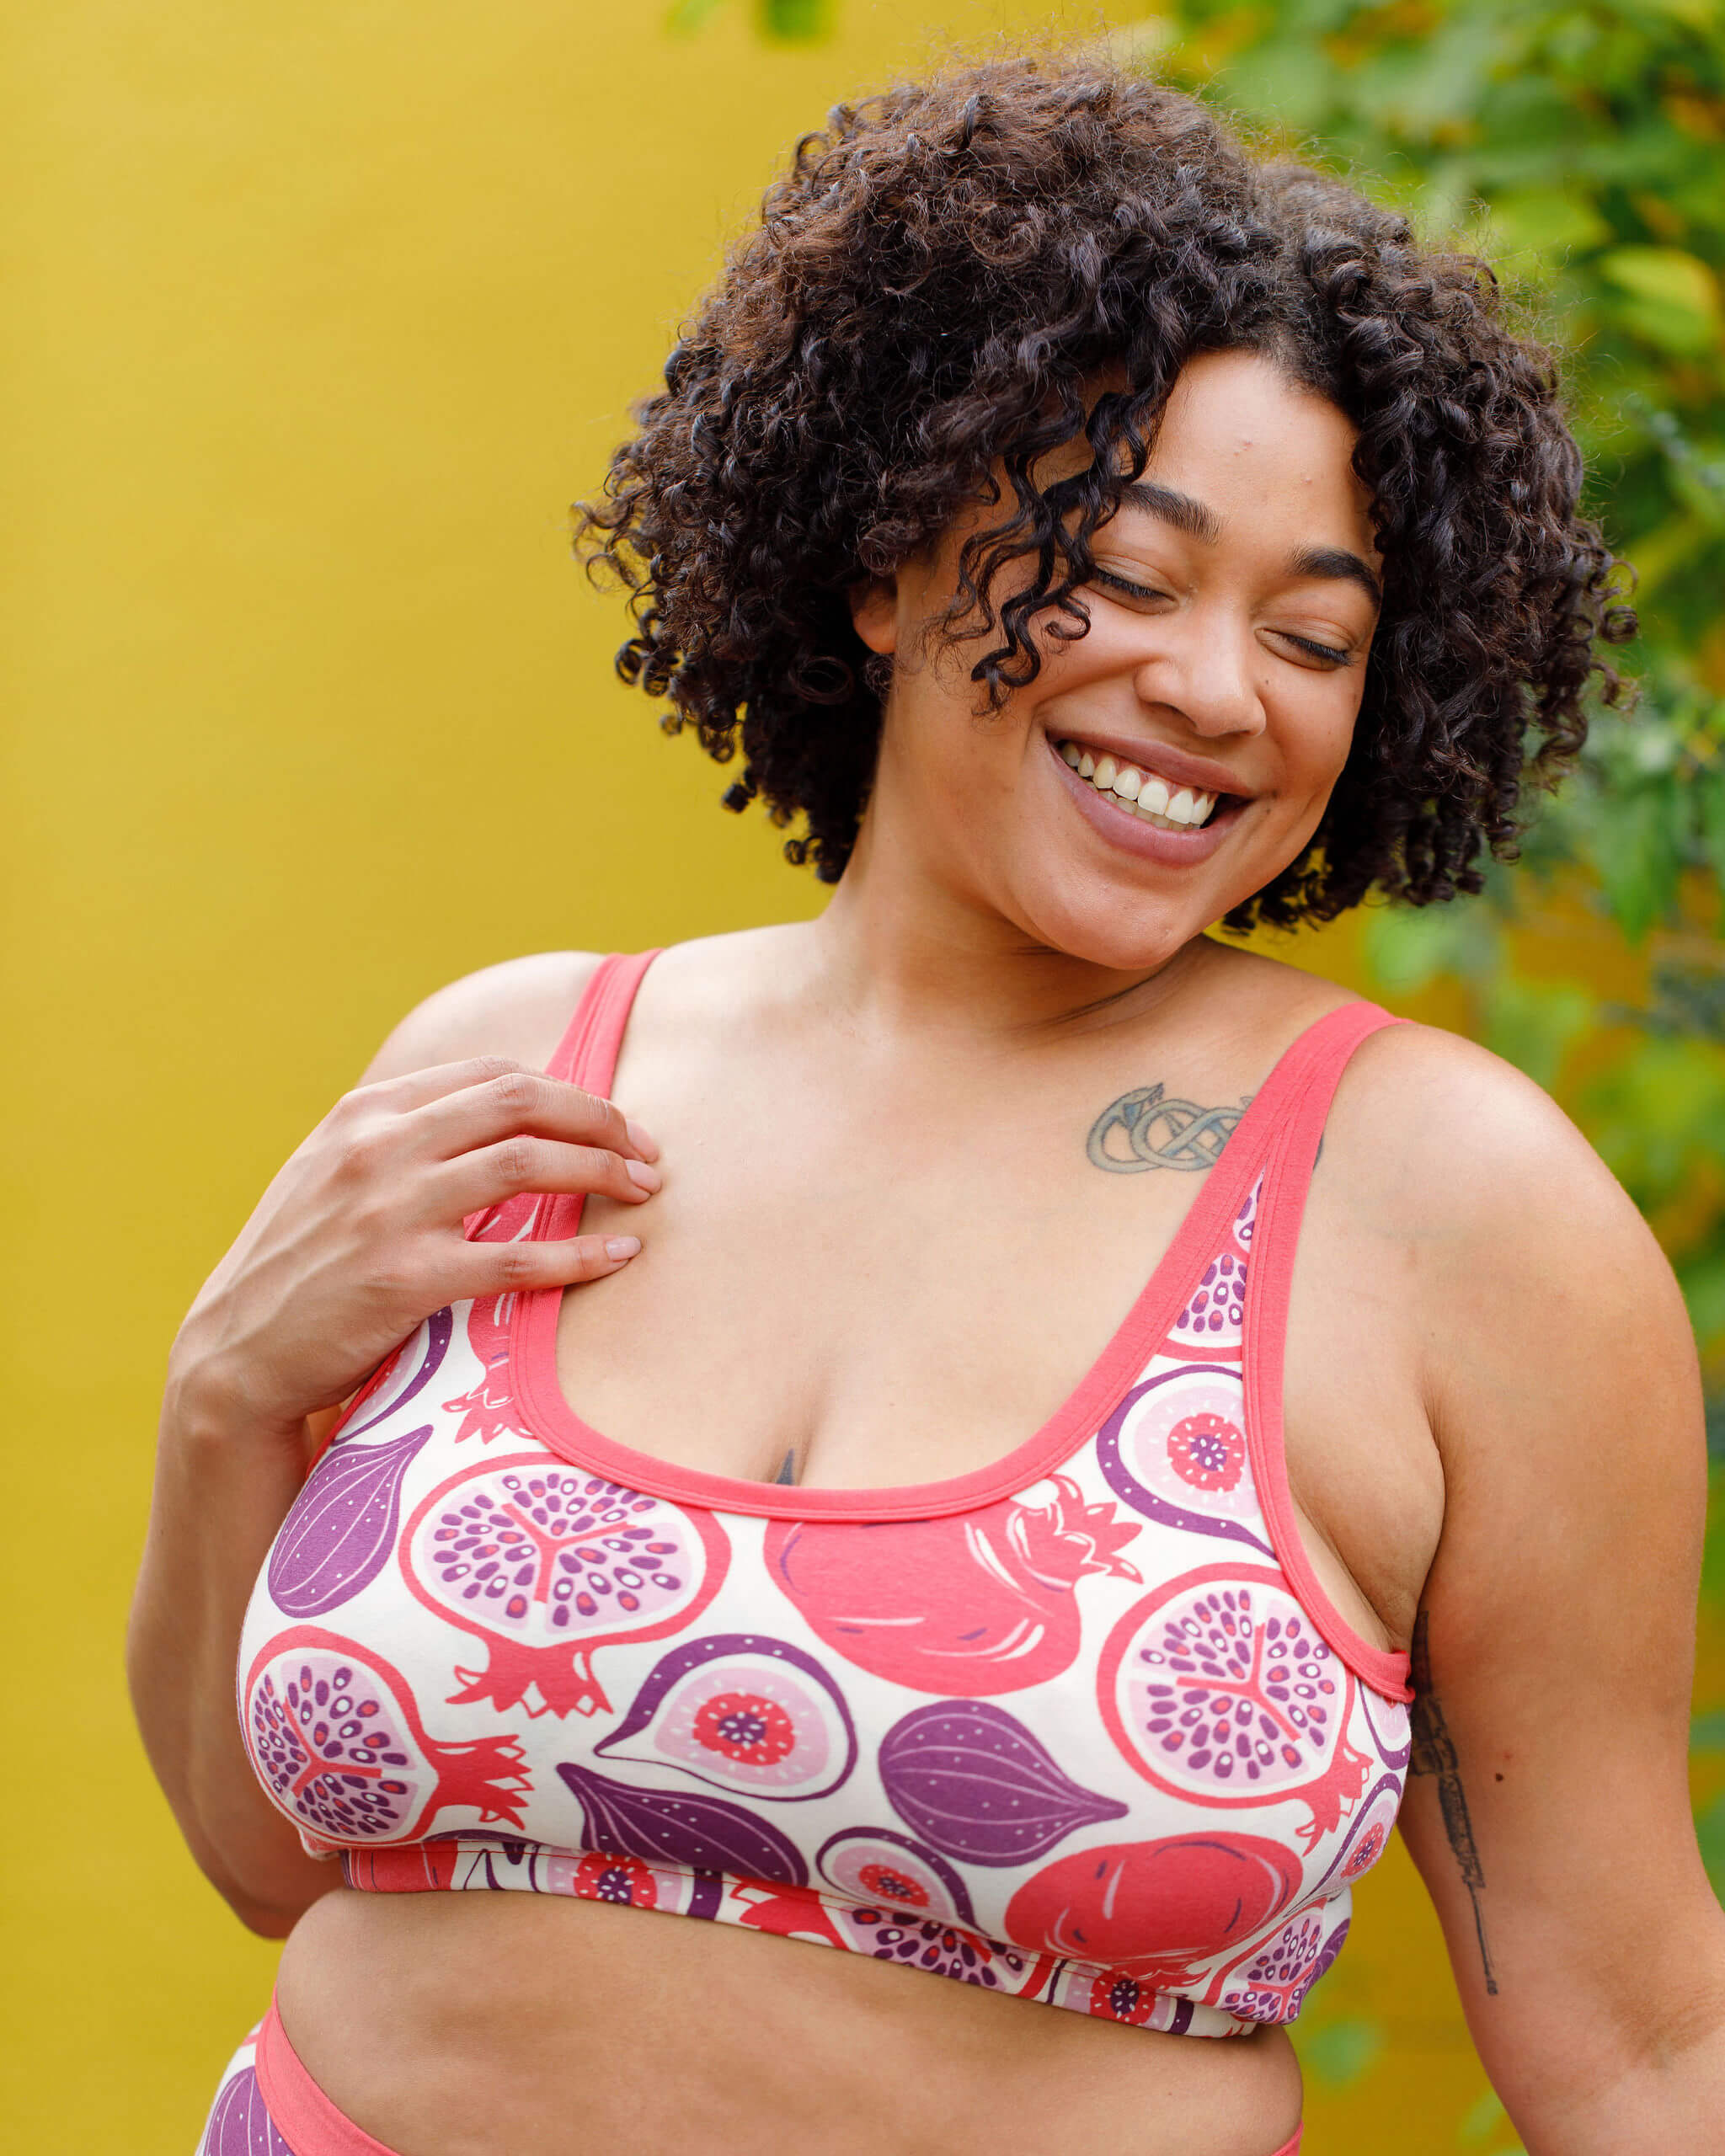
x=518, y=1009
x=1533, y=1269
x=1462, y=1144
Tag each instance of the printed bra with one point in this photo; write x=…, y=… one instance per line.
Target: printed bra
x=1080, y=1726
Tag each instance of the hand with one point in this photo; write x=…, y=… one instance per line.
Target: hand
x=358, y=1237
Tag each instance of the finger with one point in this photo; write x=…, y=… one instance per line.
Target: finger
x=486, y=1177
x=520, y=1268
x=521, y=1103
x=412, y=1089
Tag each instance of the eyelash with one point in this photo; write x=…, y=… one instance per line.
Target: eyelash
x=1328, y=652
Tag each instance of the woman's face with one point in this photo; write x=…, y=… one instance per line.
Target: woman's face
x=1165, y=765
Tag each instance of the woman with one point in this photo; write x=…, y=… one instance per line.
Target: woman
x=932, y=1497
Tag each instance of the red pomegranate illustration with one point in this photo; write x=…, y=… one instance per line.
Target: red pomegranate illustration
x=337, y=1741
x=546, y=1564
x=1150, y=1910
x=966, y=1605
x=1218, y=1687
x=488, y=1409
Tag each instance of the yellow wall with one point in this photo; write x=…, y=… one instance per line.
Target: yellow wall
x=320, y=315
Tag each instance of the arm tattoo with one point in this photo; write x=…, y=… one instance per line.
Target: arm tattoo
x=1145, y=1129
x=1434, y=1753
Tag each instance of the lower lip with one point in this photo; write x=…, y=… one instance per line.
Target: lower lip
x=1130, y=832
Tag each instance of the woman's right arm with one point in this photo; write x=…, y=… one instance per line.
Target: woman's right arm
x=356, y=1241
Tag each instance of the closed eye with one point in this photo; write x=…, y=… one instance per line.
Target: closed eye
x=1326, y=655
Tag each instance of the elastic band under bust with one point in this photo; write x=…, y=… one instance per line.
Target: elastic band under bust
x=298, y=2108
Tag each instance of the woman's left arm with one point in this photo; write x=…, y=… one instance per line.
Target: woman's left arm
x=1548, y=1804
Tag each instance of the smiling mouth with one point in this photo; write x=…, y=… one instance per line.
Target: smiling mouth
x=1152, y=800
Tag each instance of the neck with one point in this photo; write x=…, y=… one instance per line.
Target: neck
x=899, y=949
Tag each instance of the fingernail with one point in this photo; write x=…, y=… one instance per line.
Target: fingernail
x=644, y=1178
x=641, y=1138
x=622, y=1247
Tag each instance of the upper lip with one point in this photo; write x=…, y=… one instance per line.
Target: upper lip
x=1157, y=758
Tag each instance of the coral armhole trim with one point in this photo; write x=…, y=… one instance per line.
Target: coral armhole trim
x=1269, y=1281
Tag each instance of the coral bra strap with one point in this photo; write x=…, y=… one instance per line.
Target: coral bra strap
x=587, y=1053
x=1291, y=1156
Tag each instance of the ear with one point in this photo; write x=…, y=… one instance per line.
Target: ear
x=874, y=612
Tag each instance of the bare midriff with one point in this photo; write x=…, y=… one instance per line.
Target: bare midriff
x=467, y=2024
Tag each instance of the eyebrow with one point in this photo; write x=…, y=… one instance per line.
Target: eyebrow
x=1198, y=521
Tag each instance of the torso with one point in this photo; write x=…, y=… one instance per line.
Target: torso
x=887, y=1269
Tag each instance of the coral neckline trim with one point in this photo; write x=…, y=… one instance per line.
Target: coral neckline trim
x=589, y=1057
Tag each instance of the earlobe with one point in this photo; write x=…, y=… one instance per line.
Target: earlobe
x=874, y=612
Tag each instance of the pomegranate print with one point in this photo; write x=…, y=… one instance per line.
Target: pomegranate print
x=873, y=1865
x=743, y=1713
x=1214, y=1312
x=1270, y=1982
x=1150, y=1910
x=546, y=1564
x=239, y=2122
x=335, y=1740
x=1218, y=1688
x=972, y=1604
x=1175, y=1449
x=488, y=1409
x=974, y=1783
x=945, y=1950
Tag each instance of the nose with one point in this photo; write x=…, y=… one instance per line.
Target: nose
x=1205, y=668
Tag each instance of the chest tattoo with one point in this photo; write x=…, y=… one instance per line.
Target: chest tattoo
x=1147, y=1130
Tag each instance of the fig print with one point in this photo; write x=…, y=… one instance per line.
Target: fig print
x=340, y=1533
x=547, y=1564
x=1175, y=1449
x=1390, y=1722
x=1218, y=1688
x=677, y=1827
x=1368, y=1834
x=487, y=1408
x=742, y=1711
x=973, y=1782
x=1151, y=1910
x=400, y=1377
x=970, y=1604
x=335, y=1739
x=240, y=2124
x=873, y=1865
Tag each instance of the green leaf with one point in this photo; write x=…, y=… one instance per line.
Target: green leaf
x=1548, y=221
x=1484, y=2116
x=1342, y=2051
x=1710, y=1833
x=1534, y=1023
x=1408, y=947
x=685, y=17
x=1702, y=1280
x=1710, y=804
x=1636, y=852
x=1706, y=1732
x=1674, y=297
x=795, y=22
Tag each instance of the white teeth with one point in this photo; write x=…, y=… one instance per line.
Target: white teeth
x=1179, y=810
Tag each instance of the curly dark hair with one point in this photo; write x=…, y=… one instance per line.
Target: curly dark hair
x=933, y=291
